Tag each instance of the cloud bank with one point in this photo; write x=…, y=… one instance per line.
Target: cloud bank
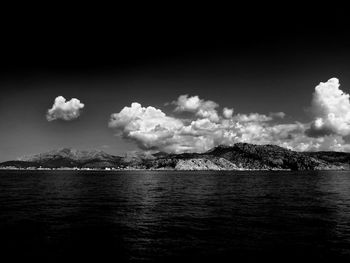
x=64, y=110
x=152, y=129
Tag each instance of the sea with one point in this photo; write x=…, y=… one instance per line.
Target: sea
x=174, y=216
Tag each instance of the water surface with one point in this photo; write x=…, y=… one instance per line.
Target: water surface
x=157, y=216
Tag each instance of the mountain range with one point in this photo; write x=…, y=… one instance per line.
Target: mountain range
x=240, y=156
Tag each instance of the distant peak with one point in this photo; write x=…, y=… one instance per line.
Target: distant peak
x=66, y=149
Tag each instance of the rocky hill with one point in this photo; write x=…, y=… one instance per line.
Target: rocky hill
x=240, y=156
x=252, y=156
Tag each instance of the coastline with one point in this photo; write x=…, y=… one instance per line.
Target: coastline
x=239, y=157
x=161, y=169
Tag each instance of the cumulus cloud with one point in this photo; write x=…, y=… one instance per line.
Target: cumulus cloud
x=331, y=110
x=227, y=113
x=149, y=127
x=152, y=129
x=201, y=108
x=65, y=110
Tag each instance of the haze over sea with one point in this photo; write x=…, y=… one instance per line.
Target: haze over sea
x=158, y=215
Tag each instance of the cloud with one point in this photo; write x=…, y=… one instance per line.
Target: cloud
x=252, y=117
x=256, y=117
x=185, y=103
x=279, y=115
x=201, y=108
x=227, y=113
x=149, y=127
x=152, y=129
x=330, y=108
x=65, y=110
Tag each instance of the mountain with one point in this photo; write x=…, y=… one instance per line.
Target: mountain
x=68, y=157
x=266, y=157
x=240, y=156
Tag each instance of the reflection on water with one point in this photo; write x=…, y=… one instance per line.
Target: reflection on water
x=144, y=216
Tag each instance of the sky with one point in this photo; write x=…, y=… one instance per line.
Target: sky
x=177, y=83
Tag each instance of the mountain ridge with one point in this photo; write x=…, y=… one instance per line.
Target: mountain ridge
x=240, y=156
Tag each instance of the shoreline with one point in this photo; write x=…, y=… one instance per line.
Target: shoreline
x=165, y=170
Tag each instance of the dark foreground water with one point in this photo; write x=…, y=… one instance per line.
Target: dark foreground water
x=162, y=216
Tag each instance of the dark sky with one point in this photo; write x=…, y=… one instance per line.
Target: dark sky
x=254, y=61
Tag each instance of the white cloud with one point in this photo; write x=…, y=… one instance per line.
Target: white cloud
x=227, y=113
x=201, y=108
x=149, y=127
x=152, y=129
x=185, y=103
x=65, y=110
x=331, y=110
x=252, y=117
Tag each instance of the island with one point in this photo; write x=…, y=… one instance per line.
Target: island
x=240, y=156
